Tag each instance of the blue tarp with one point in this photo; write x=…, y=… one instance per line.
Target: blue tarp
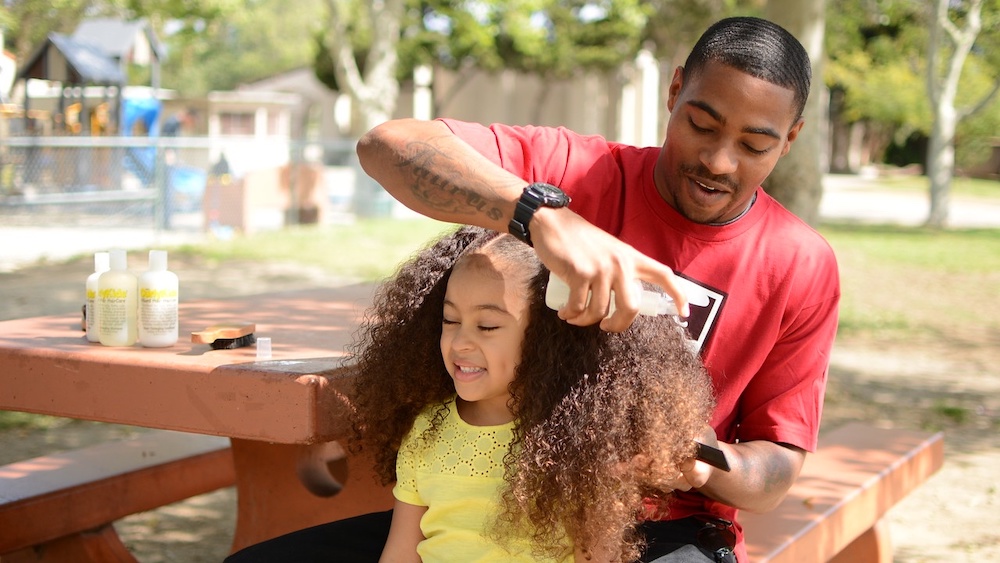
x=141, y=110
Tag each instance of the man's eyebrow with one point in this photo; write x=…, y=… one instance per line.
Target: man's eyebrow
x=762, y=131
x=703, y=106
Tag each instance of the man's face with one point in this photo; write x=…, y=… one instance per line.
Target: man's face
x=726, y=132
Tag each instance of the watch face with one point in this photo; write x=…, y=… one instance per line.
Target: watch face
x=549, y=195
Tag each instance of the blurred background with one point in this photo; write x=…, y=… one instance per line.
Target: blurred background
x=224, y=130
x=223, y=117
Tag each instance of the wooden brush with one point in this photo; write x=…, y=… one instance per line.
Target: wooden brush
x=226, y=336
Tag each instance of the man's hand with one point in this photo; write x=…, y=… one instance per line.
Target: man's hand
x=691, y=474
x=594, y=263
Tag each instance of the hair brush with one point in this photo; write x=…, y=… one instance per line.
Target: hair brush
x=226, y=336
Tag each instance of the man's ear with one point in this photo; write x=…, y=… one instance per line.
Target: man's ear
x=792, y=134
x=676, y=83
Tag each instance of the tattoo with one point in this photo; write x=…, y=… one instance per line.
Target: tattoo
x=436, y=177
x=776, y=473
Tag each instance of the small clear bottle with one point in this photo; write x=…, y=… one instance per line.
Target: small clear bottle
x=102, y=263
x=158, y=301
x=117, y=291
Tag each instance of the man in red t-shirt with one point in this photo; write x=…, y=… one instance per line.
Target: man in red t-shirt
x=689, y=216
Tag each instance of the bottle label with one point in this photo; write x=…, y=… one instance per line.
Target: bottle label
x=158, y=311
x=113, y=318
x=91, y=314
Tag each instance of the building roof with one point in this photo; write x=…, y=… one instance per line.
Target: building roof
x=62, y=59
x=116, y=38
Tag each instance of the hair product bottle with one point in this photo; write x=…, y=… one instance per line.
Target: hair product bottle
x=102, y=263
x=158, y=298
x=117, y=291
x=652, y=303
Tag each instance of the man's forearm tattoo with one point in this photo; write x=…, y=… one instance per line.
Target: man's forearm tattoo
x=435, y=181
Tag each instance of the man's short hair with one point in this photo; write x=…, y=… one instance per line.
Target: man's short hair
x=757, y=47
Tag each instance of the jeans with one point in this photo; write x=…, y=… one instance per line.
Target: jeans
x=360, y=540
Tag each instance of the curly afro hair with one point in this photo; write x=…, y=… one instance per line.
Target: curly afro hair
x=586, y=402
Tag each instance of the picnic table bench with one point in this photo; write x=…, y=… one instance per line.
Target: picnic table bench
x=61, y=507
x=835, y=511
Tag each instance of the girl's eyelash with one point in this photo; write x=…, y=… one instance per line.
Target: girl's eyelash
x=480, y=327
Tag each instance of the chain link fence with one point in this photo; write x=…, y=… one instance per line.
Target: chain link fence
x=182, y=183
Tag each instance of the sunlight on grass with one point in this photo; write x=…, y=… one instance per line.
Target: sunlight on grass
x=10, y=420
x=898, y=283
x=960, y=187
x=368, y=249
x=902, y=283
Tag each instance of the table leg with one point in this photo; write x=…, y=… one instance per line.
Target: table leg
x=282, y=488
x=101, y=545
x=873, y=546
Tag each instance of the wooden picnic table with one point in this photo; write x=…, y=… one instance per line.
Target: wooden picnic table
x=281, y=415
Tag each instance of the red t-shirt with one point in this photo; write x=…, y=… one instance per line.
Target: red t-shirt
x=772, y=282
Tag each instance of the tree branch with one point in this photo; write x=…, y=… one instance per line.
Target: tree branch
x=987, y=100
x=338, y=44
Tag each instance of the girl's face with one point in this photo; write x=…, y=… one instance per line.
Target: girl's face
x=485, y=315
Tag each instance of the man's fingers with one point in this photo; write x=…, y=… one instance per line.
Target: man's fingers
x=662, y=276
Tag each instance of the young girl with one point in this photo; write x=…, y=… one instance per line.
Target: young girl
x=510, y=433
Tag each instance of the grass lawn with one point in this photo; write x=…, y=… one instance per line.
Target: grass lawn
x=960, y=187
x=368, y=249
x=899, y=284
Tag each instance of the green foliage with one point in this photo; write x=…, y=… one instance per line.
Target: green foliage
x=30, y=21
x=554, y=38
x=230, y=42
x=890, y=92
x=878, y=57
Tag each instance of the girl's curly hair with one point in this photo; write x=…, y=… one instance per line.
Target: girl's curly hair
x=586, y=402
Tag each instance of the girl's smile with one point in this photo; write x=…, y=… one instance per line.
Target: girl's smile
x=485, y=315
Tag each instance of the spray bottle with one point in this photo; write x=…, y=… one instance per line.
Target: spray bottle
x=158, y=299
x=652, y=303
x=117, y=291
x=102, y=263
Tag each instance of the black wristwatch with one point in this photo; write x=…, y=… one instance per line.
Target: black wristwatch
x=534, y=196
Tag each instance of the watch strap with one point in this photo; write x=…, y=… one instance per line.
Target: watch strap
x=534, y=196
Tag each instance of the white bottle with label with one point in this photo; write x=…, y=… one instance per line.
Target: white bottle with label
x=102, y=263
x=158, y=299
x=651, y=303
x=117, y=292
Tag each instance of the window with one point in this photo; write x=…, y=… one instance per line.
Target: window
x=232, y=123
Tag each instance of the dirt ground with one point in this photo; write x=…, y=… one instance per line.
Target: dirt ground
x=933, y=386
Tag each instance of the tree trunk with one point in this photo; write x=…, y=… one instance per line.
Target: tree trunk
x=941, y=163
x=373, y=94
x=942, y=92
x=797, y=181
